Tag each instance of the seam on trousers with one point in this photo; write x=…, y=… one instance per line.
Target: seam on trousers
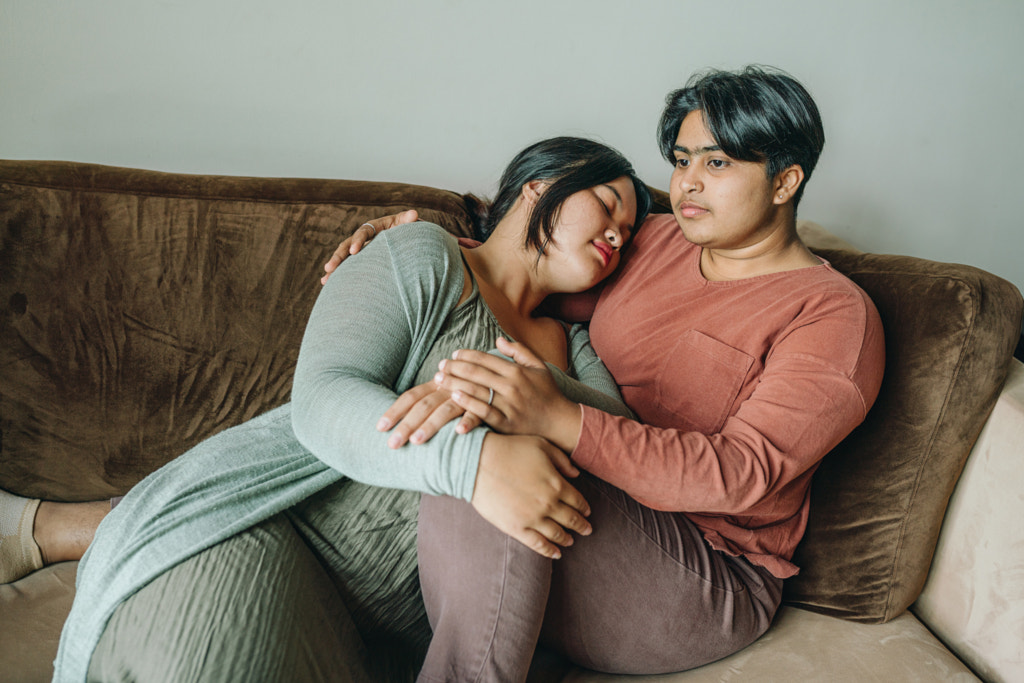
x=501, y=601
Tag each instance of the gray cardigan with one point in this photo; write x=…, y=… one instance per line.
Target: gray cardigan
x=372, y=326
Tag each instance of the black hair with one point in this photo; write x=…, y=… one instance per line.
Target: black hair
x=757, y=114
x=568, y=165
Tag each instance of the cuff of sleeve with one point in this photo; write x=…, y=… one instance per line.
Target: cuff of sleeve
x=468, y=483
x=584, y=453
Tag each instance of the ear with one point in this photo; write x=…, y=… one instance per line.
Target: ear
x=532, y=191
x=786, y=183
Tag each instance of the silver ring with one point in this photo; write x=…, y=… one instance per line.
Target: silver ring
x=368, y=225
x=490, y=399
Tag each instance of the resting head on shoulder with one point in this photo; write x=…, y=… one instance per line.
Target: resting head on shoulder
x=564, y=209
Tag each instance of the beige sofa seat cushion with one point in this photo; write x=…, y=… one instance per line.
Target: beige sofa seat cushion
x=805, y=646
x=33, y=611
x=974, y=598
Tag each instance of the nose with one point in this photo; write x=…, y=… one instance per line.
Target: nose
x=614, y=236
x=688, y=178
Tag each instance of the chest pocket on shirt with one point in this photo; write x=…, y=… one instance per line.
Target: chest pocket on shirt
x=699, y=382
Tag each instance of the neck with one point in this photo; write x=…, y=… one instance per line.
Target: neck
x=780, y=249
x=504, y=268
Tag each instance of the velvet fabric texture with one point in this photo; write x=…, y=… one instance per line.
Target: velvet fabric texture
x=878, y=499
x=141, y=312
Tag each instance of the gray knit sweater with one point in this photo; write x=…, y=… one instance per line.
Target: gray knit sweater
x=370, y=332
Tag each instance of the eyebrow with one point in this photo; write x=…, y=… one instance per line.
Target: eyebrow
x=698, y=151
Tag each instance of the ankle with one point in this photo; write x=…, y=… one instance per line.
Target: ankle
x=64, y=531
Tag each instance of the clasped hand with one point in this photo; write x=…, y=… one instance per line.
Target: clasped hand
x=521, y=485
x=525, y=399
x=521, y=488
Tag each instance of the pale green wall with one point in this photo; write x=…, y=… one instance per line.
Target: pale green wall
x=923, y=100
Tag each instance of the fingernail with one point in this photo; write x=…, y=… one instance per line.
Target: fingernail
x=455, y=354
x=438, y=378
x=444, y=362
x=383, y=424
x=418, y=436
x=456, y=396
x=395, y=441
x=588, y=530
x=557, y=556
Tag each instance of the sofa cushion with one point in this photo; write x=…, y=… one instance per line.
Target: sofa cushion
x=142, y=312
x=34, y=610
x=974, y=598
x=803, y=646
x=878, y=499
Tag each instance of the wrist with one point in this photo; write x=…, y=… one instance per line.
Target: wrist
x=566, y=421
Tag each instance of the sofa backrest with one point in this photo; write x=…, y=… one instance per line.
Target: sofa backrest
x=141, y=312
x=878, y=499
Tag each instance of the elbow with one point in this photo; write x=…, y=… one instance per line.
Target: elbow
x=301, y=415
x=300, y=425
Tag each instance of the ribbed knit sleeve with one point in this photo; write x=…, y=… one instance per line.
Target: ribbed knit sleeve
x=590, y=383
x=372, y=326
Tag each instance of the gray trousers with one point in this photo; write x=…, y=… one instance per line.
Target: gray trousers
x=327, y=591
x=643, y=594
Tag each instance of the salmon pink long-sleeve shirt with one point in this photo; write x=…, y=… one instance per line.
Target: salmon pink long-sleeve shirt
x=742, y=387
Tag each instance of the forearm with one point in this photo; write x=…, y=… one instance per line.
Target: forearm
x=594, y=387
x=761, y=449
x=366, y=337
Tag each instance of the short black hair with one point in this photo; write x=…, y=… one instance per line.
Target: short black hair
x=568, y=165
x=757, y=114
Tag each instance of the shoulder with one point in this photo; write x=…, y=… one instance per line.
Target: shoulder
x=839, y=323
x=419, y=247
x=658, y=241
x=420, y=235
x=827, y=290
x=425, y=262
x=659, y=228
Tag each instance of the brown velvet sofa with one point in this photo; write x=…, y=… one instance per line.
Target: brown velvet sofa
x=141, y=312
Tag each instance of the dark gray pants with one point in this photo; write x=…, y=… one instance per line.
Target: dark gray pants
x=643, y=594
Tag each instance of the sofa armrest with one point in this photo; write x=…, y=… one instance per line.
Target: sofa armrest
x=974, y=596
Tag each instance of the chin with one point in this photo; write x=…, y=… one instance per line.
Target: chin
x=693, y=236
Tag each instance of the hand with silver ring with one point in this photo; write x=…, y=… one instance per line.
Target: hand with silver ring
x=513, y=397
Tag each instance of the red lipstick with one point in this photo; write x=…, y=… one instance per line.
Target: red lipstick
x=605, y=250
